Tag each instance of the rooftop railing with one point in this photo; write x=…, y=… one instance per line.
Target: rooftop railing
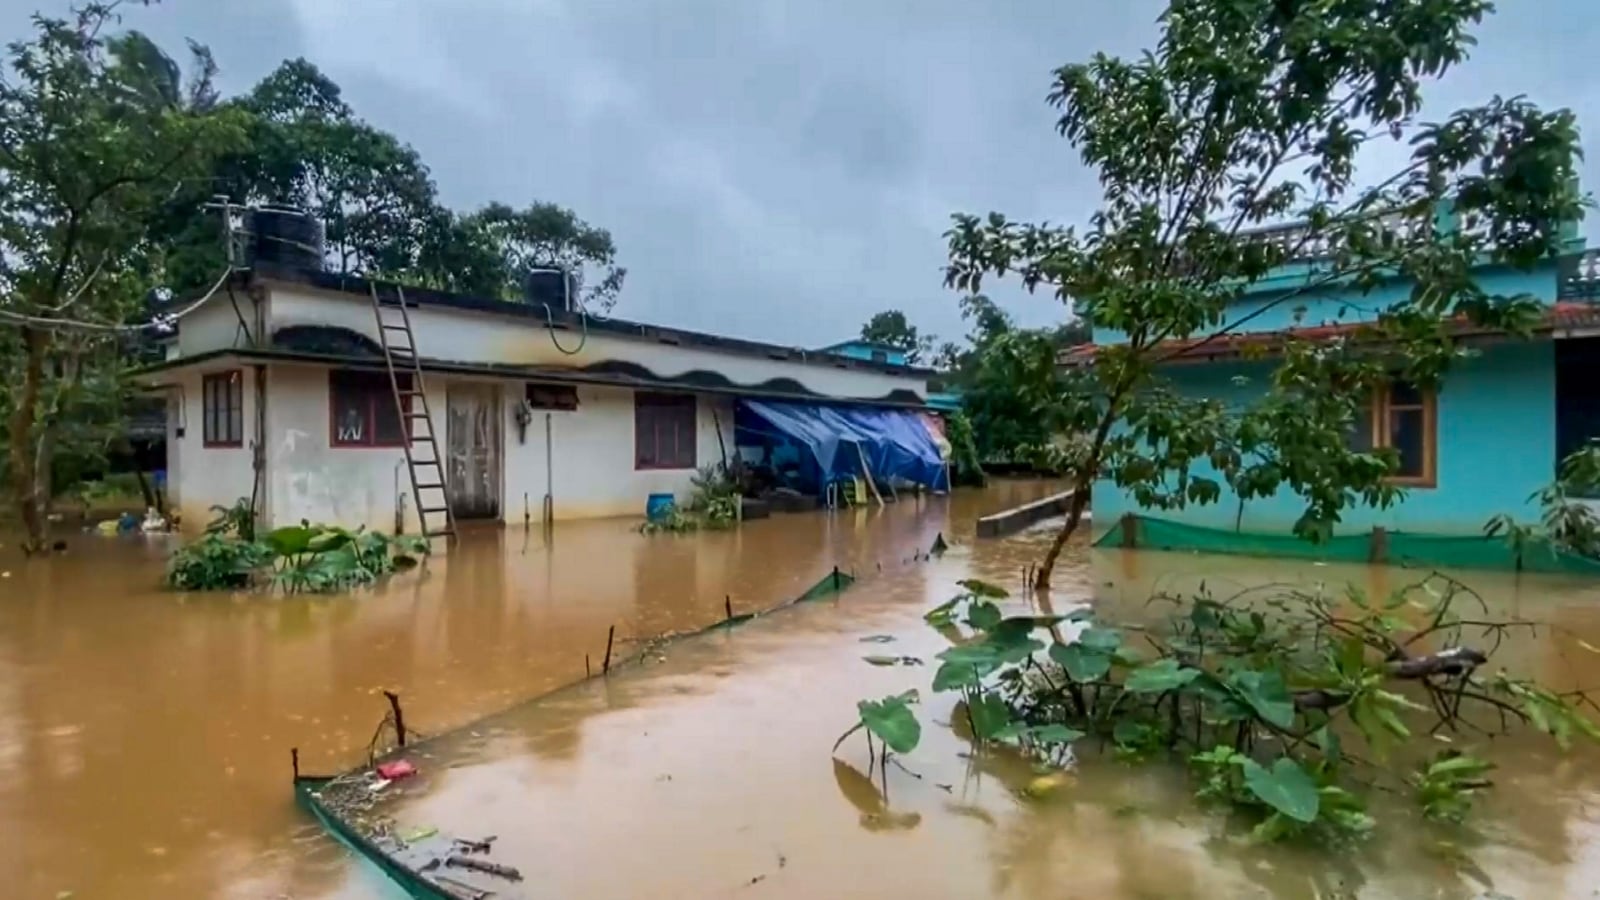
x=1582, y=280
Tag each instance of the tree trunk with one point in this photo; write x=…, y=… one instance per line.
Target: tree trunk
x=1080, y=499
x=24, y=474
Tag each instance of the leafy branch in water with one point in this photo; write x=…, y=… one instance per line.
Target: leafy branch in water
x=1262, y=695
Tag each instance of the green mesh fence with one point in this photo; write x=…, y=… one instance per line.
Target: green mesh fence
x=1394, y=547
x=831, y=583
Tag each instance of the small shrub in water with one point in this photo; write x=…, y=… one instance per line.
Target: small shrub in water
x=298, y=559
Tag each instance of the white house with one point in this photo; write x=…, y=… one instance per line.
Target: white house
x=278, y=388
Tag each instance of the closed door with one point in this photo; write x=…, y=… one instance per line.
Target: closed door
x=473, y=435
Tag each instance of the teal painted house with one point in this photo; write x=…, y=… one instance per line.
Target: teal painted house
x=1479, y=445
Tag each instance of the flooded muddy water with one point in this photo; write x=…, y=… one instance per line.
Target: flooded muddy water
x=709, y=774
x=145, y=734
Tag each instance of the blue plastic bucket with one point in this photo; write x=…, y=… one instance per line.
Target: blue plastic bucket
x=659, y=506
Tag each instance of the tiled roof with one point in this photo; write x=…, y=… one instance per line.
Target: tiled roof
x=1564, y=315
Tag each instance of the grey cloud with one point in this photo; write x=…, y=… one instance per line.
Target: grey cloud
x=770, y=168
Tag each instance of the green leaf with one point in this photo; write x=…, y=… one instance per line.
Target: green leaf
x=943, y=614
x=1081, y=663
x=1285, y=787
x=1351, y=654
x=1327, y=741
x=1106, y=640
x=1016, y=628
x=1389, y=720
x=983, y=616
x=328, y=540
x=1267, y=694
x=955, y=676
x=1017, y=651
x=989, y=715
x=980, y=588
x=1054, y=734
x=1156, y=677
x=977, y=653
x=291, y=540
x=881, y=660
x=892, y=720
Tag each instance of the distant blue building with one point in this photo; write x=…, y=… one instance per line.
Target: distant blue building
x=941, y=397
x=1478, y=446
x=869, y=351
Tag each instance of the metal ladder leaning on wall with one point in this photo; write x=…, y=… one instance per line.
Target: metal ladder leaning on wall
x=402, y=354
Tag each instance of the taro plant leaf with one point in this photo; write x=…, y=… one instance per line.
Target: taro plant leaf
x=328, y=540
x=1016, y=628
x=1054, y=733
x=1158, y=676
x=1285, y=787
x=977, y=653
x=943, y=614
x=1081, y=663
x=990, y=714
x=1222, y=704
x=892, y=720
x=1267, y=695
x=956, y=675
x=980, y=588
x=1018, y=651
x=882, y=660
x=983, y=616
x=1095, y=637
x=291, y=540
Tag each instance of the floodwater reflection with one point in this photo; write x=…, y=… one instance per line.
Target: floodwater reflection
x=145, y=735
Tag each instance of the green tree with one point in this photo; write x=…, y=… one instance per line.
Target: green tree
x=891, y=329
x=1246, y=113
x=539, y=236
x=96, y=134
x=373, y=193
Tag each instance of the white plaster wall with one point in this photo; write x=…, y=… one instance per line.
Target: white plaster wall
x=309, y=478
x=214, y=326
x=459, y=335
x=593, y=471
x=199, y=477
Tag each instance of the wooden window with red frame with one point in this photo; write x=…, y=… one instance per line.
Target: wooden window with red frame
x=362, y=410
x=222, y=409
x=663, y=431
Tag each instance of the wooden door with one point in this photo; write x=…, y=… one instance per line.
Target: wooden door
x=472, y=433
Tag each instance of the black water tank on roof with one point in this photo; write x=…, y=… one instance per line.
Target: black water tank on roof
x=286, y=237
x=551, y=287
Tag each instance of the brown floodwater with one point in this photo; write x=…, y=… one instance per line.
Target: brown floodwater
x=709, y=774
x=145, y=734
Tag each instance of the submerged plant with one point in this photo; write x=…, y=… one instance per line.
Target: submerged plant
x=216, y=561
x=1255, y=694
x=714, y=501
x=297, y=558
x=238, y=520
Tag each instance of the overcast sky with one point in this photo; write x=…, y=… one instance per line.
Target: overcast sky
x=773, y=169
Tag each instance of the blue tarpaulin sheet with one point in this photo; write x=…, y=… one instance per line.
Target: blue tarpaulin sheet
x=895, y=442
